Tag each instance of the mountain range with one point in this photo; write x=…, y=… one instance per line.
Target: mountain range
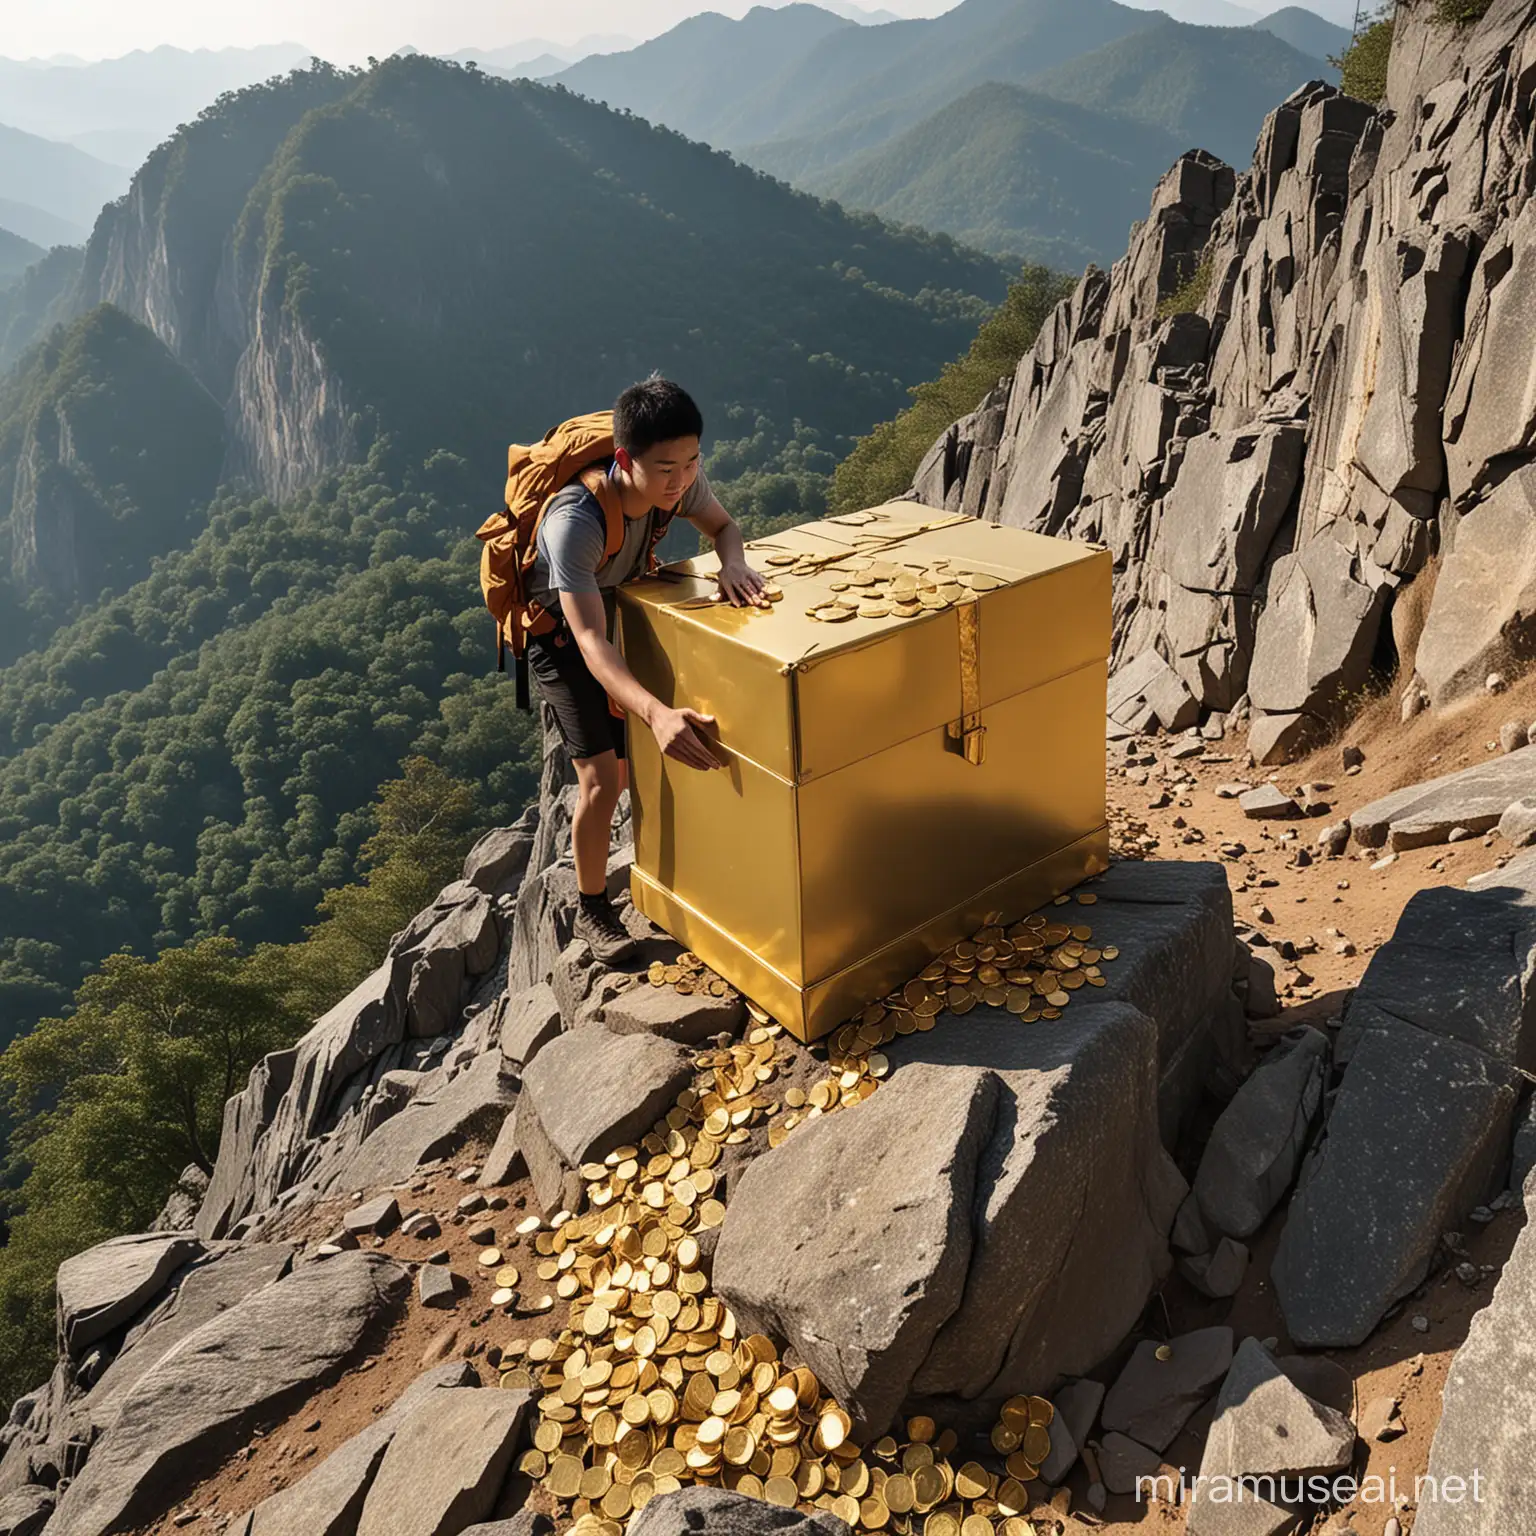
x=50, y=192
x=883, y=118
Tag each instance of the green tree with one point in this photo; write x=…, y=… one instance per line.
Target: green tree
x=111, y=1102
x=1363, y=64
x=425, y=821
x=882, y=465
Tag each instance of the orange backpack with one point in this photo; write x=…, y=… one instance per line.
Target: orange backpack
x=579, y=449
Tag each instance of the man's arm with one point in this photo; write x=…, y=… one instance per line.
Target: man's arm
x=738, y=581
x=674, y=729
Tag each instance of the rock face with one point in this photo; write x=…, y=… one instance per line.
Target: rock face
x=1476, y=798
x=887, y=1244
x=374, y=1088
x=198, y=1402
x=1267, y=1430
x=104, y=1286
x=1488, y=1419
x=1256, y=1145
x=996, y=1216
x=585, y=1094
x=1298, y=386
x=445, y=1464
x=1433, y=1044
x=329, y=1500
x=722, y=1513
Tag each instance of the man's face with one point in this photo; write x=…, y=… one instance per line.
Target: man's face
x=665, y=471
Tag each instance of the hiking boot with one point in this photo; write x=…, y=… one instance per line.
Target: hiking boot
x=602, y=932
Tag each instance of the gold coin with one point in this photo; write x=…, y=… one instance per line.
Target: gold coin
x=874, y=1513
x=1059, y=999
x=595, y=1482
x=846, y=1508
x=533, y=1464
x=941, y=1523
x=547, y=1436
x=1037, y=1443
x=595, y=1320
x=503, y=1296
x=1004, y=1439
x=874, y=610
x=834, y=1428
x=490, y=1257
x=564, y=1479
x=1041, y=1410
x=898, y=1494
x=928, y=1487
x=976, y=1525
x=835, y=615
x=1012, y=1498
x=781, y=1491
x=507, y=1275
x=1109, y=953
x=972, y=1481
x=1021, y=1468
x=740, y=1445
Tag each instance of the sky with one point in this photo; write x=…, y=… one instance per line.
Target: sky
x=345, y=31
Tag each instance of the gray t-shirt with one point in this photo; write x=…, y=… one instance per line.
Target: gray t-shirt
x=571, y=539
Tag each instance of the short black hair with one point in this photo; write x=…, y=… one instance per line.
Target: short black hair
x=654, y=411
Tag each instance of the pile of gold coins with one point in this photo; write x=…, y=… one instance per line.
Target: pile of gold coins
x=881, y=589
x=687, y=974
x=649, y=1387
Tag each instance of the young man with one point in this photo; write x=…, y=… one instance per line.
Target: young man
x=656, y=429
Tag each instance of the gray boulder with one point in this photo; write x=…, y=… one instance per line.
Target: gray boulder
x=379, y=1216
x=1267, y=803
x=25, y=1511
x=585, y=1094
x=438, y=1122
x=1314, y=639
x=526, y=1522
x=1267, y=1431
x=199, y=1402
x=1256, y=1145
x=222, y=1278
x=104, y=1287
x=329, y=1500
x=1125, y=1465
x=1517, y=826
x=181, y=1205
x=500, y=859
x=993, y=1218
x=1172, y=923
x=1152, y=1398
x=1481, y=1456
x=1422, y=814
x=1147, y=691
x=446, y=1463
x=718, y=1512
x=1433, y=1042
x=532, y=1020
x=1218, y=1273
x=504, y=1163
x=1077, y=1410
x=690, y=1018
x=461, y=943
x=1485, y=597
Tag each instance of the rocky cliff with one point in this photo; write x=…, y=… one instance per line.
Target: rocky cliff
x=1301, y=409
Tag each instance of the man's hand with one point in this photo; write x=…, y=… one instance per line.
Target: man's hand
x=677, y=734
x=741, y=584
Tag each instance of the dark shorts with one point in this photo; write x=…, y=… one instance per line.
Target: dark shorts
x=579, y=701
